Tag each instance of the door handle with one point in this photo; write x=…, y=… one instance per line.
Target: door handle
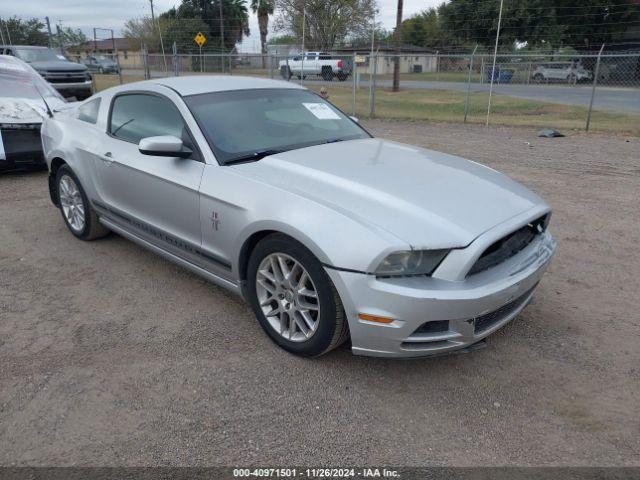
x=107, y=158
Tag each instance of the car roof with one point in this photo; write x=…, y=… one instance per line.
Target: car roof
x=196, y=84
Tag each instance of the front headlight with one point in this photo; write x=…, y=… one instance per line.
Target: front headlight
x=411, y=262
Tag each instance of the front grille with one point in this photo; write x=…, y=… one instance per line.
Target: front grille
x=488, y=320
x=22, y=142
x=509, y=246
x=65, y=77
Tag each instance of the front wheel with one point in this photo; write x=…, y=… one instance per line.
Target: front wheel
x=77, y=212
x=294, y=298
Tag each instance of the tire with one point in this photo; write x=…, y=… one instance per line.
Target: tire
x=342, y=77
x=331, y=328
x=571, y=79
x=538, y=78
x=285, y=72
x=327, y=74
x=90, y=228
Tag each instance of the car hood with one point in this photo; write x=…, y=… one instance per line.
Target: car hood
x=61, y=66
x=18, y=110
x=425, y=198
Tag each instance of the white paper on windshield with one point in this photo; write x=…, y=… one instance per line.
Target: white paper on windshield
x=2, y=154
x=321, y=111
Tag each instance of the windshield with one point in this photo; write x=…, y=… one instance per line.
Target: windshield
x=37, y=55
x=246, y=123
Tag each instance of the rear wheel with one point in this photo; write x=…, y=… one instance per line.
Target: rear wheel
x=285, y=72
x=327, y=74
x=77, y=212
x=294, y=298
x=342, y=76
x=538, y=78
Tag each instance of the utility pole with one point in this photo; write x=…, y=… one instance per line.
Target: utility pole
x=398, y=41
x=60, y=39
x=95, y=41
x=153, y=20
x=48, y=30
x=493, y=69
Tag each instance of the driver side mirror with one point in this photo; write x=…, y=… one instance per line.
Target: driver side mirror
x=164, y=146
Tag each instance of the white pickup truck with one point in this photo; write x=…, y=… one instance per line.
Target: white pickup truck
x=316, y=63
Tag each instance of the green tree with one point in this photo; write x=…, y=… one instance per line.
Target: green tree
x=263, y=8
x=24, y=32
x=235, y=21
x=328, y=22
x=69, y=38
x=285, y=39
x=144, y=30
x=539, y=22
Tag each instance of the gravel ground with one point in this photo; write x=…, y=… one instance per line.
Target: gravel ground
x=110, y=355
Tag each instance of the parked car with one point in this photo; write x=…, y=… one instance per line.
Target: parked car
x=69, y=78
x=264, y=188
x=316, y=63
x=22, y=107
x=561, y=72
x=101, y=64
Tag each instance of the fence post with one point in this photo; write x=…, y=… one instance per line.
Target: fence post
x=372, y=96
x=529, y=74
x=270, y=66
x=354, y=74
x=174, y=49
x=145, y=62
x=118, y=63
x=593, y=90
x=466, y=100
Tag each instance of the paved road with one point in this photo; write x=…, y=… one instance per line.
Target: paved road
x=110, y=355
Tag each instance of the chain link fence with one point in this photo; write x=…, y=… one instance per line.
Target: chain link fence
x=598, y=91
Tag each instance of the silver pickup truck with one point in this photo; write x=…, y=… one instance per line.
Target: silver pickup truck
x=316, y=63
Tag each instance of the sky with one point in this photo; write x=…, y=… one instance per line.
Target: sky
x=87, y=14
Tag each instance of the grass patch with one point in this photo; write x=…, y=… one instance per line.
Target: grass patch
x=448, y=106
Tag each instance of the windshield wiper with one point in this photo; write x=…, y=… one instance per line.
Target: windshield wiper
x=334, y=140
x=260, y=154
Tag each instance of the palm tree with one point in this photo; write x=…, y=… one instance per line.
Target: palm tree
x=263, y=8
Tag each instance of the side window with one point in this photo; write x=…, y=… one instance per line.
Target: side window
x=136, y=116
x=89, y=111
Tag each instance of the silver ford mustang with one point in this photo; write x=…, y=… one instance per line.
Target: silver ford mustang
x=268, y=190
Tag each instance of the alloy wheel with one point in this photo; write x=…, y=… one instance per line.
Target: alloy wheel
x=288, y=297
x=71, y=203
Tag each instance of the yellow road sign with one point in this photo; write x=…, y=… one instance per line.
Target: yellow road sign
x=200, y=39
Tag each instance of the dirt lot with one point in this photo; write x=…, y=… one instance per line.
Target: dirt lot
x=110, y=355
